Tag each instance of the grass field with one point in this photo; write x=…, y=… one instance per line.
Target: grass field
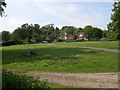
x=98, y=44
x=60, y=59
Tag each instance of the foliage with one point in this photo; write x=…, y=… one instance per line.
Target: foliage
x=105, y=33
x=59, y=40
x=5, y=35
x=33, y=33
x=12, y=80
x=8, y=43
x=49, y=30
x=18, y=35
x=88, y=31
x=26, y=31
x=80, y=40
x=27, y=40
x=68, y=29
x=92, y=33
x=78, y=30
x=2, y=4
x=114, y=25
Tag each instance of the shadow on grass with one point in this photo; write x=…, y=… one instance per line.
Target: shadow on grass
x=51, y=53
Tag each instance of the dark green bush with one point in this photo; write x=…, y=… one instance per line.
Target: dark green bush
x=70, y=40
x=8, y=43
x=12, y=80
x=59, y=40
x=79, y=40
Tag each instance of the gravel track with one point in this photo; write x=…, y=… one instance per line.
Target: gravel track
x=112, y=50
x=80, y=80
x=83, y=80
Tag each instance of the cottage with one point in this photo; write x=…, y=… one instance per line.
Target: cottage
x=68, y=37
x=80, y=36
x=65, y=37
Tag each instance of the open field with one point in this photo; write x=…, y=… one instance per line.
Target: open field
x=97, y=44
x=59, y=59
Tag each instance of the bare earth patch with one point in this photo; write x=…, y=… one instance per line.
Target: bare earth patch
x=82, y=80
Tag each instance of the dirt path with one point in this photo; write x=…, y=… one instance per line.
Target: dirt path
x=83, y=80
x=112, y=50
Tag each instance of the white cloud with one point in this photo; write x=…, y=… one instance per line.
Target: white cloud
x=66, y=13
x=16, y=22
x=11, y=24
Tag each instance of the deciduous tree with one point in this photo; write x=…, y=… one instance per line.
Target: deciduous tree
x=114, y=25
x=5, y=36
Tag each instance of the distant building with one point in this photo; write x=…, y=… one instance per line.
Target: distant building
x=68, y=37
x=81, y=36
x=65, y=37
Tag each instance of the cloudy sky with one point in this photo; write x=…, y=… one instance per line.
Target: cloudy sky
x=59, y=12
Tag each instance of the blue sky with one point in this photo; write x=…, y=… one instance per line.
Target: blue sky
x=76, y=13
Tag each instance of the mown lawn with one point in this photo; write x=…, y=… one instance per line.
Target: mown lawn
x=98, y=44
x=55, y=58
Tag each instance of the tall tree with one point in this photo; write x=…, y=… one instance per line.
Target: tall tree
x=88, y=31
x=92, y=33
x=78, y=30
x=26, y=32
x=18, y=35
x=105, y=33
x=97, y=33
x=68, y=29
x=5, y=36
x=114, y=25
x=48, y=30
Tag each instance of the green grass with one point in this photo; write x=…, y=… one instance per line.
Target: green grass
x=53, y=86
x=60, y=59
x=98, y=44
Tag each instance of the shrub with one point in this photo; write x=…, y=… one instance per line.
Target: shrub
x=59, y=40
x=12, y=80
x=8, y=43
x=79, y=40
x=70, y=40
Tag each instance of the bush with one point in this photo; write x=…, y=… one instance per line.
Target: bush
x=59, y=40
x=70, y=40
x=8, y=43
x=95, y=39
x=79, y=40
x=12, y=80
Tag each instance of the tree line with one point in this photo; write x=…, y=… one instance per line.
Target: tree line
x=33, y=32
